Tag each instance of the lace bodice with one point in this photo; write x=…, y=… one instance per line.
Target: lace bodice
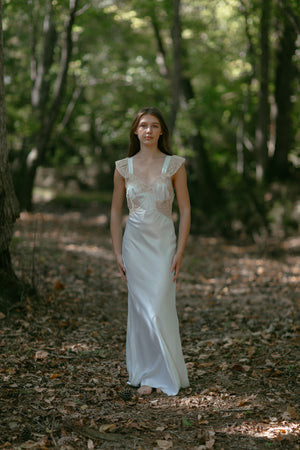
x=148, y=196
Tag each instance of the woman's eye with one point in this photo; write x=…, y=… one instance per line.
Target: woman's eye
x=144, y=125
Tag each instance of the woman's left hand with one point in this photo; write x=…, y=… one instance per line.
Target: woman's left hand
x=176, y=265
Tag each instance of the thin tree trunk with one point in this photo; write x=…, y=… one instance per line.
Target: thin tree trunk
x=285, y=77
x=46, y=106
x=10, y=286
x=204, y=182
x=203, y=179
x=161, y=56
x=291, y=13
x=261, y=135
x=176, y=76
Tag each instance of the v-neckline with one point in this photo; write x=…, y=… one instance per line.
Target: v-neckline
x=162, y=171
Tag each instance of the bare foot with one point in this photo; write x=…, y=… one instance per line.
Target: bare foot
x=145, y=390
x=159, y=391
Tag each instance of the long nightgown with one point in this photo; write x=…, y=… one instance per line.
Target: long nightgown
x=153, y=347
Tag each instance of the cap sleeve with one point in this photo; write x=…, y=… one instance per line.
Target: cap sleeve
x=122, y=167
x=175, y=163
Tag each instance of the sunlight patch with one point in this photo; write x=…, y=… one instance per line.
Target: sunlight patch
x=265, y=430
x=90, y=250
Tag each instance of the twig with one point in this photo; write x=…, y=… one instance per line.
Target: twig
x=235, y=410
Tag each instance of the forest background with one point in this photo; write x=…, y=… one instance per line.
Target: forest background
x=224, y=73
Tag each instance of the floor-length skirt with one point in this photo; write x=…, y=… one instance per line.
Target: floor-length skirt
x=153, y=347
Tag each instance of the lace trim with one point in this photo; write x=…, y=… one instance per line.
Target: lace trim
x=122, y=167
x=174, y=164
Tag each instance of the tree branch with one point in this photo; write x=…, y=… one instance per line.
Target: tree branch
x=70, y=108
x=41, y=86
x=65, y=59
x=251, y=48
x=290, y=14
x=176, y=78
x=160, y=45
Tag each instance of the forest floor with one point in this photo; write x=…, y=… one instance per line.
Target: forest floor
x=63, y=373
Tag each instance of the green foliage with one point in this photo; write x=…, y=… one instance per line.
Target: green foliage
x=117, y=67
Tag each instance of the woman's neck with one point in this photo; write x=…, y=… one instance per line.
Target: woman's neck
x=149, y=153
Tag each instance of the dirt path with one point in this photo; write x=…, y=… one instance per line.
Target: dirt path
x=63, y=371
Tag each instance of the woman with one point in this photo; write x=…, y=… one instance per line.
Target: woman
x=147, y=256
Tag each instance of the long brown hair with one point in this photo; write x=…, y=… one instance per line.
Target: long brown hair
x=164, y=139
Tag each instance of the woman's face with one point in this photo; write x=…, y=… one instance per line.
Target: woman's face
x=148, y=130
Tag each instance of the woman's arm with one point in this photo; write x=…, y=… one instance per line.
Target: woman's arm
x=183, y=200
x=116, y=220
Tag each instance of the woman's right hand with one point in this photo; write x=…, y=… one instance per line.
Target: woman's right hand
x=121, y=267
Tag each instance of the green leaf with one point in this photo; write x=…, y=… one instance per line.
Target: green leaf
x=186, y=423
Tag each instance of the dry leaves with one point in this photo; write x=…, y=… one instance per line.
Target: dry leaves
x=62, y=369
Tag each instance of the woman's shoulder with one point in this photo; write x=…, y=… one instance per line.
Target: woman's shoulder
x=122, y=167
x=177, y=159
x=122, y=162
x=174, y=164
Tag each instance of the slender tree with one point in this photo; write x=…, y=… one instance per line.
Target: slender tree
x=176, y=74
x=46, y=95
x=10, y=286
x=182, y=92
x=262, y=127
x=284, y=89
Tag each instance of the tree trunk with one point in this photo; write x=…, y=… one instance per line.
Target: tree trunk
x=203, y=187
x=285, y=77
x=176, y=75
x=10, y=286
x=46, y=99
x=201, y=179
x=262, y=127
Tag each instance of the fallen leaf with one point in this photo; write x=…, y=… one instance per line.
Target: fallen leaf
x=41, y=354
x=290, y=413
x=90, y=445
x=251, y=351
x=54, y=375
x=84, y=407
x=207, y=439
x=186, y=423
x=164, y=444
x=211, y=439
x=107, y=427
x=36, y=445
x=275, y=355
x=59, y=286
x=70, y=404
x=237, y=368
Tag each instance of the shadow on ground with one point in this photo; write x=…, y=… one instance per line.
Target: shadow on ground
x=63, y=374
